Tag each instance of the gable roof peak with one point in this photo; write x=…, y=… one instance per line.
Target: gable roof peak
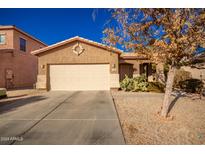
x=76, y=38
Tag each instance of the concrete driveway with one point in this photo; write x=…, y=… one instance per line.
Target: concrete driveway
x=83, y=117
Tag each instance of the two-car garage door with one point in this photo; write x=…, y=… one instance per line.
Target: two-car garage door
x=80, y=77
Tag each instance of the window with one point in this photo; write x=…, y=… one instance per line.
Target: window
x=2, y=39
x=22, y=44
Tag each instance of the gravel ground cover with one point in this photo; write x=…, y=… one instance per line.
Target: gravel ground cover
x=142, y=125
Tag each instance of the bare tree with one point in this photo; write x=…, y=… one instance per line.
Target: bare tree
x=169, y=36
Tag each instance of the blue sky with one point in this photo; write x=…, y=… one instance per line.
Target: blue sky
x=54, y=25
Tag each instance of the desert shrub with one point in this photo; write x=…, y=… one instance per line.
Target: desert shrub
x=126, y=83
x=140, y=85
x=181, y=75
x=191, y=85
x=134, y=84
x=156, y=87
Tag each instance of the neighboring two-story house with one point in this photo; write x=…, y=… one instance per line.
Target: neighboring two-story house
x=18, y=68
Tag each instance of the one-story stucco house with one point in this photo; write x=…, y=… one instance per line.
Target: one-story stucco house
x=82, y=64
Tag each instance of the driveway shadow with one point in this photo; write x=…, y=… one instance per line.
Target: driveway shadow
x=11, y=105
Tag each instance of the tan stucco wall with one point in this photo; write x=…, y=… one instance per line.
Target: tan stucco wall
x=65, y=55
x=23, y=64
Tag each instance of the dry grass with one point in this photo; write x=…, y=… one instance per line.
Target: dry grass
x=141, y=125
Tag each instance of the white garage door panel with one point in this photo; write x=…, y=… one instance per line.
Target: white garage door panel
x=80, y=77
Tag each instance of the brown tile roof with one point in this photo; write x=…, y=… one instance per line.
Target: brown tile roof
x=77, y=38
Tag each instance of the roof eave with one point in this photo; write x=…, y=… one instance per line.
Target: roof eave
x=134, y=58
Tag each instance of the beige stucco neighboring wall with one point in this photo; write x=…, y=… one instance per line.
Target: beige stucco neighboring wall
x=31, y=44
x=23, y=64
x=65, y=55
x=195, y=73
x=26, y=64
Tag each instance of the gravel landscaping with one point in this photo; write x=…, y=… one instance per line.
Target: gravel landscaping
x=142, y=125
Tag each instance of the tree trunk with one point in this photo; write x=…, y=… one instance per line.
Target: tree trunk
x=168, y=91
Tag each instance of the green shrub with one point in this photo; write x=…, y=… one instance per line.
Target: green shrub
x=134, y=84
x=181, y=75
x=156, y=87
x=191, y=85
x=126, y=83
x=139, y=85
